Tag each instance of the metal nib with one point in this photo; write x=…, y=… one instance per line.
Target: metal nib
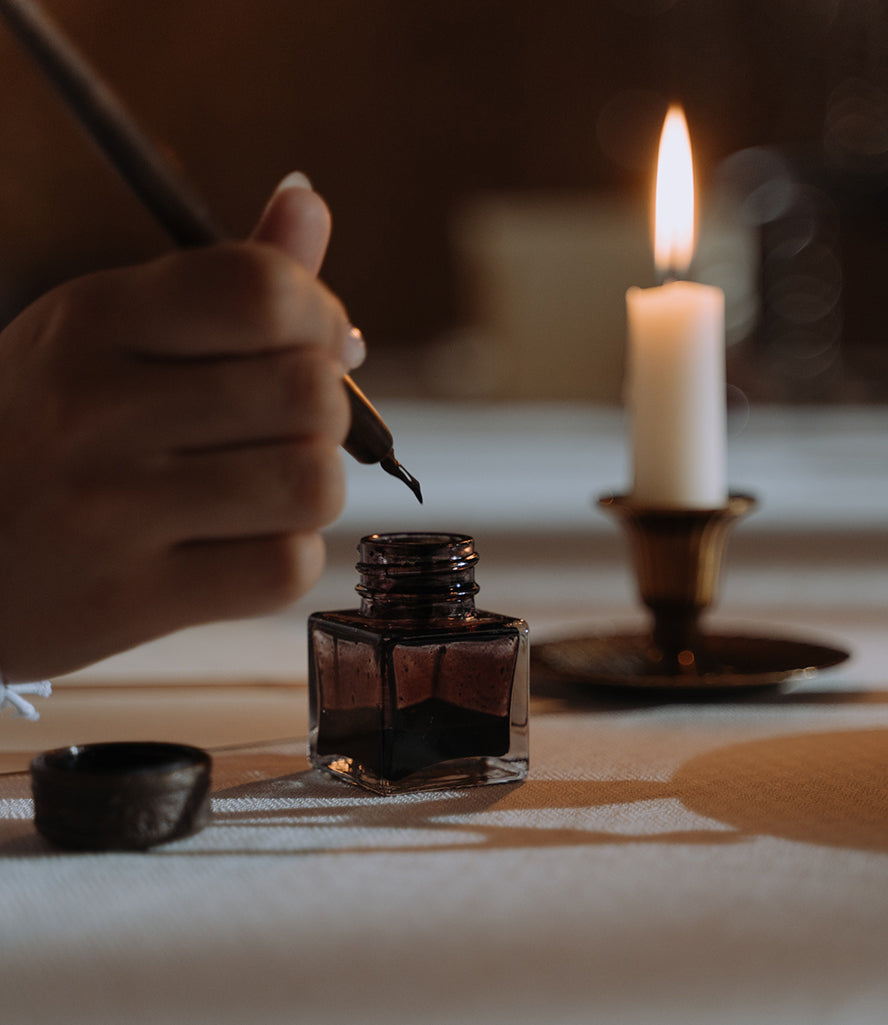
x=392, y=466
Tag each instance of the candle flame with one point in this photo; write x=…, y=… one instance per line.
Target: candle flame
x=674, y=205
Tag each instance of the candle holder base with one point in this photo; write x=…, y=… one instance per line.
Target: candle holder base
x=631, y=661
x=677, y=557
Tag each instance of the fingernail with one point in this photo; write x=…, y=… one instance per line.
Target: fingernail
x=294, y=180
x=354, y=349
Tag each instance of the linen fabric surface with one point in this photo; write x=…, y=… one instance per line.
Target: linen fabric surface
x=678, y=861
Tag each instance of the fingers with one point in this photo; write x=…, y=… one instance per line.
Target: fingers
x=217, y=459
x=296, y=220
x=198, y=583
x=106, y=402
x=280, y=488
x=227, y=300
x=208, y=581
x=236, y=299
x=176, y=406
x=354, y=350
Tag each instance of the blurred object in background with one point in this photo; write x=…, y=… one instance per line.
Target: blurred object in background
x=544, y=281
x=413, y=118
x=855, y=175
x=546, y=278
x=796, y=353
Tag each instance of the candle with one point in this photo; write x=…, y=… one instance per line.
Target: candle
x=676, y=354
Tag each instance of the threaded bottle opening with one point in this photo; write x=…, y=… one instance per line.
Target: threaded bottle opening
x=414, y=574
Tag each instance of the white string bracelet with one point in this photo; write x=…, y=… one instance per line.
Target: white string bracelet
x=11, y=695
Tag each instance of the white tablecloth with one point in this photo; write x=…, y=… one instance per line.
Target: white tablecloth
x=717, y=862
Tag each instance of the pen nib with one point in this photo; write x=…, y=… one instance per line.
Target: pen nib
x=392, y=466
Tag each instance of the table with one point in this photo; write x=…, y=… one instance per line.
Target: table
x=671, y=861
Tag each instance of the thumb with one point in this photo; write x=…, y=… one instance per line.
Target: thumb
x=296, y=220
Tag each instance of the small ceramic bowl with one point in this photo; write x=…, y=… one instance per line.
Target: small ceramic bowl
x=120, y=796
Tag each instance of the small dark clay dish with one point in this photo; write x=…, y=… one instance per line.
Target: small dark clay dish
x=121, y=796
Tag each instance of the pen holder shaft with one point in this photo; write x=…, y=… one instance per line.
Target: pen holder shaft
x=677, y=555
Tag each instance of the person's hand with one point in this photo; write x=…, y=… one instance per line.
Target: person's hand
x=169, y=443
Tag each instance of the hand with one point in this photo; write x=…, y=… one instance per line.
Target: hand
x=169, y=443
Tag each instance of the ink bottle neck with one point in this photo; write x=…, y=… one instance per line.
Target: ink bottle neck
x=417, y=576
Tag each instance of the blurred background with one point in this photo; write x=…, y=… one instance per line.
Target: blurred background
x=489, y=166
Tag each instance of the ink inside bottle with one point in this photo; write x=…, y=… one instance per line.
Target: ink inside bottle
x=417, y=689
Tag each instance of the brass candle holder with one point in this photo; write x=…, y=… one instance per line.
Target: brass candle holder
x=678, y=555
x=677, y=558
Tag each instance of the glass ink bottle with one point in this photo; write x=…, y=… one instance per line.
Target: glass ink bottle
x=418, y=689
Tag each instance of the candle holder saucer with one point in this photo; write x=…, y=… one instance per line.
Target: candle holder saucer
x=677, y=558
x=736, y=663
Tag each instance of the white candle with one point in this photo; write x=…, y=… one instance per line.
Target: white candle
x=676, y=354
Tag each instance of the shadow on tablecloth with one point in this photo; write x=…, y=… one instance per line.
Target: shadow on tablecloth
x=823, y=788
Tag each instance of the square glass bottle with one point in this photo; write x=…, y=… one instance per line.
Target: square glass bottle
x=417, y=689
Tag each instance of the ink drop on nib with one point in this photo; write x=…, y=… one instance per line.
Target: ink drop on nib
x=392, y=466
x=417, y=689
